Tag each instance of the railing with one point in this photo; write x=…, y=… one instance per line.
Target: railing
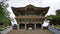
x=54, y=30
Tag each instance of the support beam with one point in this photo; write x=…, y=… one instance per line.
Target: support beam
x=42, y=27
x=25, y=26
x=18, y=26
x=34, y=26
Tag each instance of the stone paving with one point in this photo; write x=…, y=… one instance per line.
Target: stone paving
x=24, y=31
x=6, y=30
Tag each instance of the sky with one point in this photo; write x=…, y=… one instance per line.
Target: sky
x=53, y=4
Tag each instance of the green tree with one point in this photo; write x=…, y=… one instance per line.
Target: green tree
x=4, y=14
x=54, y=19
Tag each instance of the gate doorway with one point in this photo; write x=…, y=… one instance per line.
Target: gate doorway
x=30, y=26
x=38, y=26
x=21, y=26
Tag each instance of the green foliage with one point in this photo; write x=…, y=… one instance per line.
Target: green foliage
x=4, y=14
x=58, y=26
x=54, y=19
x=58, y=12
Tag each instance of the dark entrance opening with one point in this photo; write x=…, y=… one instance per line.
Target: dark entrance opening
x=21, y=26
x=30, y=26
x=38, y=26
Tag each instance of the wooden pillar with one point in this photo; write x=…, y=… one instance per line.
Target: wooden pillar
x=42, y=27
x=18, y=26
x=34, y=26
x=25, y=26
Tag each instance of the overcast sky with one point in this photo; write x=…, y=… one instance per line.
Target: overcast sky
x=53, y=4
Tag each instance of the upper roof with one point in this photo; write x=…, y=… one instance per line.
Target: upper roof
x=30, y=7
x=42, y=10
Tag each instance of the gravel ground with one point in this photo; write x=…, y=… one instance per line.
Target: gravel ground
x=24, y=31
